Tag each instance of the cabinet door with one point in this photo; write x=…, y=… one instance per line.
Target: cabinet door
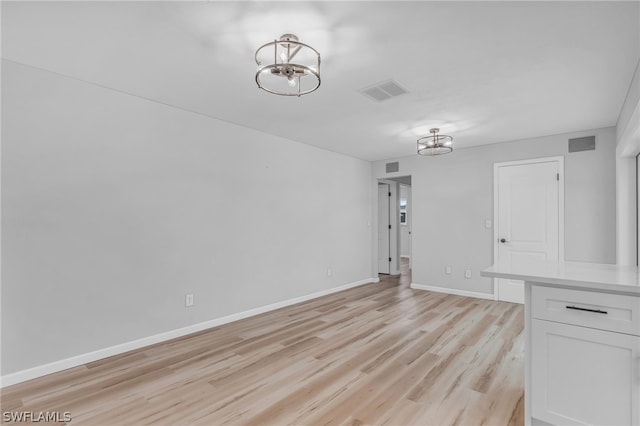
x=583, y=376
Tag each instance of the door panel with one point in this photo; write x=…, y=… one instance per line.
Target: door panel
x=384, y=236
x=527, y=219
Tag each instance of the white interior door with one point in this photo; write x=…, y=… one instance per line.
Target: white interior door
x=384, y=232
x=528, y=208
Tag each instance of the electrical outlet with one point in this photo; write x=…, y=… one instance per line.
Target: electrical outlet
x=188, y=300
x=329, y=272
x=488, y=224
x=447, y=270
x=467, y=273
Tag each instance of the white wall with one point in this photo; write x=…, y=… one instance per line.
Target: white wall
x=630, y=106
x=628, y=146
x=114, y=207
x=448, y=218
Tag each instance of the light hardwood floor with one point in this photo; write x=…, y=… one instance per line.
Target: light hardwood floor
x=377, y=354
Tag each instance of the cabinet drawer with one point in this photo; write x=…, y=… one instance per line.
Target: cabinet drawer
x=604, y=311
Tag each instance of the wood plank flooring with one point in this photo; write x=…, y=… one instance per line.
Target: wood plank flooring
x=379, y=354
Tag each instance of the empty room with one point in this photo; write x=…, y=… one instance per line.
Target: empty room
x=320, y=213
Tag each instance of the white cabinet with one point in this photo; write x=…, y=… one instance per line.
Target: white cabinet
x=584, y=357
x=584, y=376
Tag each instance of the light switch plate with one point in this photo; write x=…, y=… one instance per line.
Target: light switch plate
x=188, y=300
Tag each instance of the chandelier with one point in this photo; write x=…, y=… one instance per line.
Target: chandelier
x=435, y=144
x=279, y=74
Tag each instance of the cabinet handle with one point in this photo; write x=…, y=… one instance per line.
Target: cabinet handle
x=597, y=311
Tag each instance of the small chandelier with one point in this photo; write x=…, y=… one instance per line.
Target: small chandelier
x=435, y=144
x=281, y=76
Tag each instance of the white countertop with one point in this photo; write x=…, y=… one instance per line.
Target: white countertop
x=588, y=276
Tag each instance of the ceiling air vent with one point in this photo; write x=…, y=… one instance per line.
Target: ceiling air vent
x=587, y=143
x=383, y=90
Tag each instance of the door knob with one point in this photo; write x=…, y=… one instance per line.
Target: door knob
x=503, y=240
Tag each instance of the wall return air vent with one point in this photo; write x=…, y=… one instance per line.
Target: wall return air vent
x=393, y=167
x=587, y=143
x=384, y=90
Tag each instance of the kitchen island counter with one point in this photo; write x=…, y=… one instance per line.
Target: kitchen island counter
x=582, y=342
x=579, y=275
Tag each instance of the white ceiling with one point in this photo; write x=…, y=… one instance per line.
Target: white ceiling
x=483, y=72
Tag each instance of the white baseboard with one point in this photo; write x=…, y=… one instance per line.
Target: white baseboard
x=63, y=364
x=453, y=291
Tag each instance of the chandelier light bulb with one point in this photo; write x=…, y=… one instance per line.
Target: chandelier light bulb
x=292, y=81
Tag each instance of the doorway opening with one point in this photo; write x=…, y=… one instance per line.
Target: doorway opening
x=394, y=225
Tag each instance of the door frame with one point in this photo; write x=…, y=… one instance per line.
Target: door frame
x=496, y=166
x=409, y=223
